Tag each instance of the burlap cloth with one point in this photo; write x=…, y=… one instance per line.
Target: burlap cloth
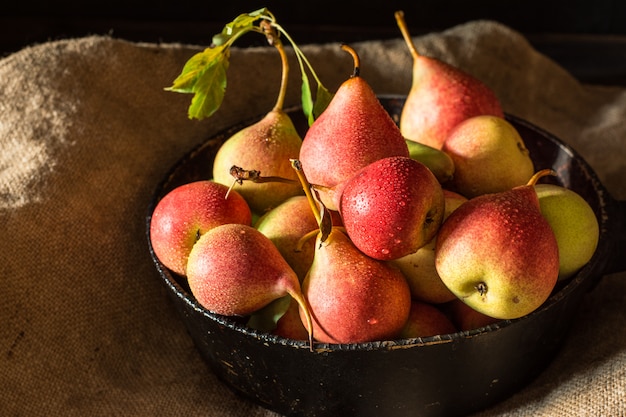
x=86, y=133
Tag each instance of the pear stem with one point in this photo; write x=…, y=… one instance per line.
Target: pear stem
x=297, y=166
x=274, y=39
x=405, y=33
x=255, y=176
x=305, y=239
x=357, y=61
x=299, y=297
x=240, y=175
x=544, y=172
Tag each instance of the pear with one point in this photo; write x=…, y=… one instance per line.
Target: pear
x=489, y=156
x=440, y=97
x=436, y=160
x=419, y=267
x=392, y=207
x=235, y=270
x=354, y=298
x=289, y=325
x=498, y=254
x=281, y=317
x=352, y=132
x=266, y=318
x=186, y=213
x=466, y=318
x=267, y=147
x=574, y=224
x=426, y=320
x=286, y=224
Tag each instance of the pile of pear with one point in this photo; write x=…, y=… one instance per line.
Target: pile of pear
x=366, y=229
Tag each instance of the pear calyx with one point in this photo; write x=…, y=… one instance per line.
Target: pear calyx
x=481, y=287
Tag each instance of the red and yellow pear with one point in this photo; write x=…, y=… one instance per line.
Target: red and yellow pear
x=235, y=270
x=265, y=146
x=489, y=156
x=440, y=97
x=419, y=267
x=285, y=225
x=498, y=254
x=352, y=297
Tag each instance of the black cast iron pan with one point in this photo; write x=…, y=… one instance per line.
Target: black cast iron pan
x=446, y=375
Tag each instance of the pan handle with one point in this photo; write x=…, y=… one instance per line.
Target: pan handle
x=617, y=258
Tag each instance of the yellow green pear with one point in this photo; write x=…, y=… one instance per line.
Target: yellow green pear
x=574, y=224
x=435, y=159
x=489, y=156
x=419, y=267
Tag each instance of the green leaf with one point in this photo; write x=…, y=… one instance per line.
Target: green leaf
x=194, y=68
x=322, y=99
x=311, y=109
x=204, y=74
x=307, y=99
x=209, y=88
x=240, y=25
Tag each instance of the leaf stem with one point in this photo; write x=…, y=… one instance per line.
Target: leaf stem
x=301, y=55
x=274, y=39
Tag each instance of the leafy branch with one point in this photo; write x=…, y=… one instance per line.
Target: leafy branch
x=204, y=74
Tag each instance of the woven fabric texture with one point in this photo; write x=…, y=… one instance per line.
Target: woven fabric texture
x=87, y=131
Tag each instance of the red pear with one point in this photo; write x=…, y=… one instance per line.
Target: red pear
x=392, y=207
x=352, y=132
x=235, y=270
x=440, y=97
x=426, y=320
x=354, y=298
x=186, y=213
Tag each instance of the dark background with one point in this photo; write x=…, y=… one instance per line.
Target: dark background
x=586, y=37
